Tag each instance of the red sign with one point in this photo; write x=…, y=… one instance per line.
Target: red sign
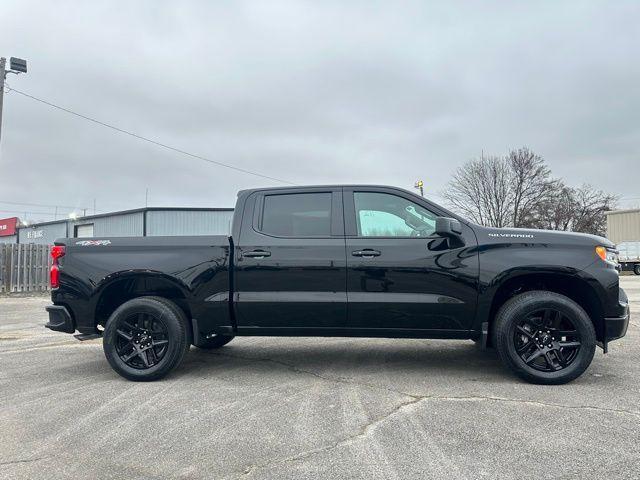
x=8, y=226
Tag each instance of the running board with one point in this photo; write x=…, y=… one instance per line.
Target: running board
x=87, y=336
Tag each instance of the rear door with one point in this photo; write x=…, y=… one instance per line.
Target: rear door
x=398, y=276
x=290, y=263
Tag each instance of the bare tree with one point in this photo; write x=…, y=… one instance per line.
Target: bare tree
x=531, y=184
x=577, y=209
x=519, y=191
x=480, y=189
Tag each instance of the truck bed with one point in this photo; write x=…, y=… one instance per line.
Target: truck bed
x=99, y=273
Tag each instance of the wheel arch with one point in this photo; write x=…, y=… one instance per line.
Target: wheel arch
x=125, y=286
x=573, y=286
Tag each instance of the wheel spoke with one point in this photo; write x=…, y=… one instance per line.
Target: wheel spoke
x=129, y=326
x=549, y=360
x=128, y=357
x=525, y=348
x=569, y=344
x=561, y=358
x=524, y=331
x=152, y=353
x=157, y=343
x=124, y=335
x=145, y=358
x=533, y=356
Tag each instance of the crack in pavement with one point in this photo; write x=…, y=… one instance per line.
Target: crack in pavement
x=350, y=381
x=25, y=460
x=370, y=427
x=364, y=431
x=414, y=399
x=344, y=380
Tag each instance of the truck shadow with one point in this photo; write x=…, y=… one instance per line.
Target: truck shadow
x=348, y=358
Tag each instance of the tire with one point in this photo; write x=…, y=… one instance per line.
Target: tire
x=544, y=337
x=217, y=341
x=127, y=341
x=636, y=269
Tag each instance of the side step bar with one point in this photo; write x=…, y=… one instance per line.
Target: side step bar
x=87, y=336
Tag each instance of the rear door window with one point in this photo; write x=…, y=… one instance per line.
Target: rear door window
x=297, y=215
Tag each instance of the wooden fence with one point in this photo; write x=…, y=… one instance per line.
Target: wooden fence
x=24, y=268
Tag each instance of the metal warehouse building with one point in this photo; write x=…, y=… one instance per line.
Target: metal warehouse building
x=151, y=221
x=623, y=225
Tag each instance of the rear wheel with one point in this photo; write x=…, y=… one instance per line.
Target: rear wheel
x=544, y=337
x=636, y=269
x=216, y=341
x=145, y=338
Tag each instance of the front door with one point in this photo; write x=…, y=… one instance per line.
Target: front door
x=290, y=265
x=399, y=276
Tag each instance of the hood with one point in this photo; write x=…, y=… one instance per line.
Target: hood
x=527, y=235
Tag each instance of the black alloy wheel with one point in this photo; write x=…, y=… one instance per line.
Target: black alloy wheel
x=547, y=340
x=145, y=338
x=544, y=337
x=142, y=340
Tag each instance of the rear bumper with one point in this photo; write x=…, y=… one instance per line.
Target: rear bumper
x=60, y=319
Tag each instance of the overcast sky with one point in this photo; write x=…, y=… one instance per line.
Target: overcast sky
x=311, y=92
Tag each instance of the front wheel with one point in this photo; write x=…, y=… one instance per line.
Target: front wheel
x=636, y=269
x=544, y=337
x=145, y=338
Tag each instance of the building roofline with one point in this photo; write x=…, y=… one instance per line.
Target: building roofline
x=629, y=210
x=127, y=212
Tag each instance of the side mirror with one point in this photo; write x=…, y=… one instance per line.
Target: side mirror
x=448, y=227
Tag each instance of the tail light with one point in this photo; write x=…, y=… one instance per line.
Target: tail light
x=57, y=251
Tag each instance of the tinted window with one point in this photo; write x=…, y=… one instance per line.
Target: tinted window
x=386, y=215
x=297, y=215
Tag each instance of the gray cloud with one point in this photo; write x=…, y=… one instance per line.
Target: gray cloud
x=312, y=92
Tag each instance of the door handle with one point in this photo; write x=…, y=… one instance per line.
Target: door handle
x=256, y=254
x=366, y=253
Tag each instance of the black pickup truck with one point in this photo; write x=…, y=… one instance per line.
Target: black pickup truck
x=349, y=261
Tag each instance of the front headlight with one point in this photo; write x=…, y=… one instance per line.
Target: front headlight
x=609, y=255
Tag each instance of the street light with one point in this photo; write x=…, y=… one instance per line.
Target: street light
x=17, y=65
x=419, y=184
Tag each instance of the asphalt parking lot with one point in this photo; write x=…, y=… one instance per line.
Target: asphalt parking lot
x=309, y=408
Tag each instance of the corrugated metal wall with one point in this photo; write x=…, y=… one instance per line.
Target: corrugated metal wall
x=186, y=222
x=623, y=226
x=159, y=222
x=127, y=225
x=8, y=239
x=43, y=234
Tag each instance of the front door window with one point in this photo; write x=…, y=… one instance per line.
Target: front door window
x=386, y=215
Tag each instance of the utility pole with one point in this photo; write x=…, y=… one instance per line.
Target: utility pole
x=17, y=66
x=3, y=74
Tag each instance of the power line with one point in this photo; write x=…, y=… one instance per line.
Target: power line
x=62, y=214
x=39, y=205
x=140, y=137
